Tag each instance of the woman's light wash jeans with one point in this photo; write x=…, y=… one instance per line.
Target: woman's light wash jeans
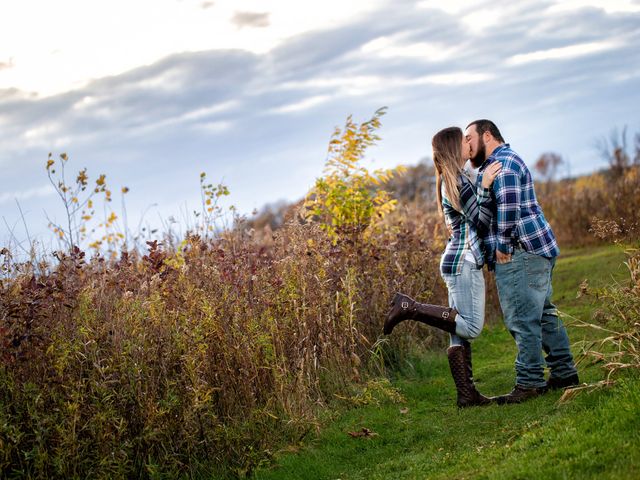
x=466, y=295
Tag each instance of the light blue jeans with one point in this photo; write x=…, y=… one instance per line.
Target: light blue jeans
x=524, y=288
x=466, y=295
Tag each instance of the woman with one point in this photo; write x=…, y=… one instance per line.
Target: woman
x=468, y=218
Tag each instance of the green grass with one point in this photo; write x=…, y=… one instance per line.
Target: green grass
x=596, y=435
x=600, y=266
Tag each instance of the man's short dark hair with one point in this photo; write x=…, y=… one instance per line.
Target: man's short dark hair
x=485, y=125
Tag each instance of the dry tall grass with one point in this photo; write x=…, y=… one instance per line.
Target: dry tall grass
x=582, y=210
x=157, y=363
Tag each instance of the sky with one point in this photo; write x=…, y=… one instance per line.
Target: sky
x=153, y=92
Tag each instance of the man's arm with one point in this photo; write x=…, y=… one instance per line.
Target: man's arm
x=507, y=192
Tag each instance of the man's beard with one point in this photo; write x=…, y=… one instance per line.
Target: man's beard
x=479, y=158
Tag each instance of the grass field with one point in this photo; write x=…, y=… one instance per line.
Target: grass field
x=595, y=435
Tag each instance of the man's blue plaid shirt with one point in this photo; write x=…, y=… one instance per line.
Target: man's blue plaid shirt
x=469, y=225
x=519, y=219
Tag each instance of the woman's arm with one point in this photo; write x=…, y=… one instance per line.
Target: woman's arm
x=477, y=213
x=486, y=202
x=478, y=207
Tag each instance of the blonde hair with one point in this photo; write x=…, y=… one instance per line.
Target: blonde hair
x=446, y=158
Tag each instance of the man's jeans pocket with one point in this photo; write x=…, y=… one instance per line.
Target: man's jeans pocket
x=538, y=271
x=507, y=266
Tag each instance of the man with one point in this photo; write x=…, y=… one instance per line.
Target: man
x=523, y=248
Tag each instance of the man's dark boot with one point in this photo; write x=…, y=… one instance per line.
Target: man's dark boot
x=478, y=397
x=468, y=396
x=518, y=395
x=404, y=307
x=557, y=383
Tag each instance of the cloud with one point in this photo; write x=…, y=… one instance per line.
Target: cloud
x=302, y=105
x=194, y=117
x=339, y=85
x=609, y=6
x=262, y=122
x=251, y=19
x=452, y=7
x=454, y=78
x=397, y=51
x=177, y=90
x=570, y=51
x=213, y=127
x=387, y=47
x=31, y=193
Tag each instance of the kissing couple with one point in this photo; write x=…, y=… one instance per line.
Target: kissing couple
x=496, y=221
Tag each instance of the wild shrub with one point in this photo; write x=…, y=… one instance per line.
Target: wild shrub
x=177, y=362
x=348, y=201
x=78, y=199
x=206, y=357
x=618, y=318
x=575, y=206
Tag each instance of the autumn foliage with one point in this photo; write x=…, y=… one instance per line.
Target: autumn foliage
x=583, y=210
x=347, y=200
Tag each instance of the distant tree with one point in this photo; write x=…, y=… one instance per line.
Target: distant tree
x=547, y=166
x=614, y=151
x=273, y=215
x=417, y=184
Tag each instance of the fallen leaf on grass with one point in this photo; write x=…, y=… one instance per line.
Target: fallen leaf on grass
x=364, y=432
x=404, y=411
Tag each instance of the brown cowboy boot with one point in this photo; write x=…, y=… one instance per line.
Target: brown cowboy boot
x=478, y=397
x=556, y=383
x=404, y=307
x=519, y=394
x=468, y=396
